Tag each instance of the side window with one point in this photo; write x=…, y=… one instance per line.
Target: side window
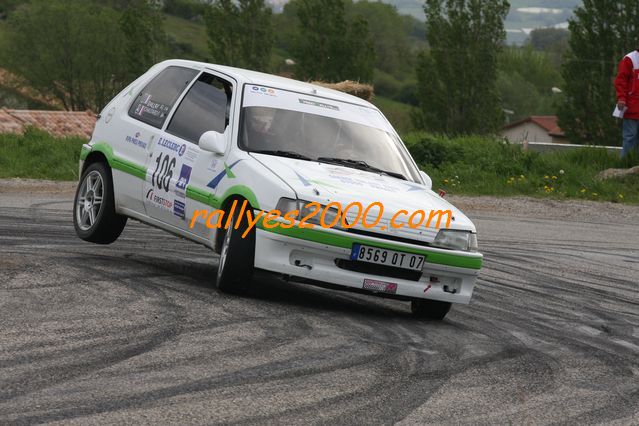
x=156, y=100
x=205, y=107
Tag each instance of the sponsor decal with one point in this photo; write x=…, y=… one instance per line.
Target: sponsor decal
x=147, y=106
x=159, y=201
x=109, y=115
x=339, y=171
x=318, y=104
x=191, y=154
x=366, y=182
x=381, y=286
x=135, y=140
x=178, y=209
x=302, y=179
x=224, y=173
x=213, y=165
x=173, y=146
x=185, y=176
x=263, y=91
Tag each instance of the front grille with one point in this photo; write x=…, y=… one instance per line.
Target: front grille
x=380, y=270
x=389, y=237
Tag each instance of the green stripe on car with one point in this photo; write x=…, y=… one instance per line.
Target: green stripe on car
x=115, y=162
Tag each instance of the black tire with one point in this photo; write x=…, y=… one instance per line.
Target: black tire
x=429, y=309
x=237, y=257
x=107, y=225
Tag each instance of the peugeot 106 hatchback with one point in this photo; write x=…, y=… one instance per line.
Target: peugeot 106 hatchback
x=278, y=175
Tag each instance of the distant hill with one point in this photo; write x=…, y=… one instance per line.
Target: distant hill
x=524, y=16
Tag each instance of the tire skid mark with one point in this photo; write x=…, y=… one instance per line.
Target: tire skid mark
x=525, y=318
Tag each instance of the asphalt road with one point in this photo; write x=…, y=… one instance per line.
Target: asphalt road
x=135, y=332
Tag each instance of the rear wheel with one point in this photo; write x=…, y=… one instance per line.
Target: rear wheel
x=94, y=216
x=429, y=309
x=237, y=256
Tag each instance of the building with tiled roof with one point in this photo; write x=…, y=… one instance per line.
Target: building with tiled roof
x=536, y=128
x=57, y=123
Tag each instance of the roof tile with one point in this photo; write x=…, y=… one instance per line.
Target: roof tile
x=57, y=123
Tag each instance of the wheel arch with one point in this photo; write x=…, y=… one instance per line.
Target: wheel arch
x=95, y=157
x=225, y=206
x=100, y=153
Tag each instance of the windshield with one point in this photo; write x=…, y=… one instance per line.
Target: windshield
x=309, y=129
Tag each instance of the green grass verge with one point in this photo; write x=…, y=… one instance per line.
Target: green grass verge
x=475, y=165
x=38, y=155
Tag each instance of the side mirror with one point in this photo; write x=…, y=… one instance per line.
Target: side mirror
x=213, y=141
x=427, y=180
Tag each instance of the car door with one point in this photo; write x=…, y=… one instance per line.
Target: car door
x=177, y=158
x=146, y=116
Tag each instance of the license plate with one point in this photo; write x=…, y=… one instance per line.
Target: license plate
x=387, y=257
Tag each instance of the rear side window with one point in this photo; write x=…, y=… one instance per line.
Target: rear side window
x=158, y=97
x=205, y=107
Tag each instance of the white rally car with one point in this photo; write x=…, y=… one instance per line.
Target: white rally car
x=188, y=139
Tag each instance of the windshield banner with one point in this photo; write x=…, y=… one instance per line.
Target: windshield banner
x=260, y=96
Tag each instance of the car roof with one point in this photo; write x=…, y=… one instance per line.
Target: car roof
x=260, y=78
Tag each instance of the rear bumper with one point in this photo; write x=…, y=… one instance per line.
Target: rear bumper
x=316, y=261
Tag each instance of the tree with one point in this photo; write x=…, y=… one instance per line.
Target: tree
x=553, y=41
x=548, y=38
x=526, y=79
x=331, y=47
x=457, y=76
x=142, y=26
x=601, y=33
x=389, y=35
x=67, y=49
x=240, y=33
x=7, y=6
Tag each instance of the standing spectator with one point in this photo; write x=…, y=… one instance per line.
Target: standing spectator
x=627, y=86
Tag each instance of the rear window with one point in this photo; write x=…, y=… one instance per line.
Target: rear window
x=155, y=101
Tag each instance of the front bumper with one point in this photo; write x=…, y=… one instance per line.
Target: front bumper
x=316, y=261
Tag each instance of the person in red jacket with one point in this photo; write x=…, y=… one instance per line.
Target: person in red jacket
x=627, y=86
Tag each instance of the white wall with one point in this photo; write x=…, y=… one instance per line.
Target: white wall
x=517, y=133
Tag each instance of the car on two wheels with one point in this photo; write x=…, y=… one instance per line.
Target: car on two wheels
x=186, y=143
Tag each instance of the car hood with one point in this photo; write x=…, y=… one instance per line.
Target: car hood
x=323, y=182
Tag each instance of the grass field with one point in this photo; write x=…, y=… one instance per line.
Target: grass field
x=484, y=166
x=469, y=165
x=38, y=155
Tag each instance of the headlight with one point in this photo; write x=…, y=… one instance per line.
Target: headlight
x=286, y=205
x=456, y=240
x=332, y=216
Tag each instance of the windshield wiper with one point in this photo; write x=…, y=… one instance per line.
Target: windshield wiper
x=282, y=153
x=360, y=164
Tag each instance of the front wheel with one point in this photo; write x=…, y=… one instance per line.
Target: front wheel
x=94, y=216
x=429, y=309
x=237, y=256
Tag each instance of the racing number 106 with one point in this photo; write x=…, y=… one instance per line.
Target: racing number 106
x=163, y=171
